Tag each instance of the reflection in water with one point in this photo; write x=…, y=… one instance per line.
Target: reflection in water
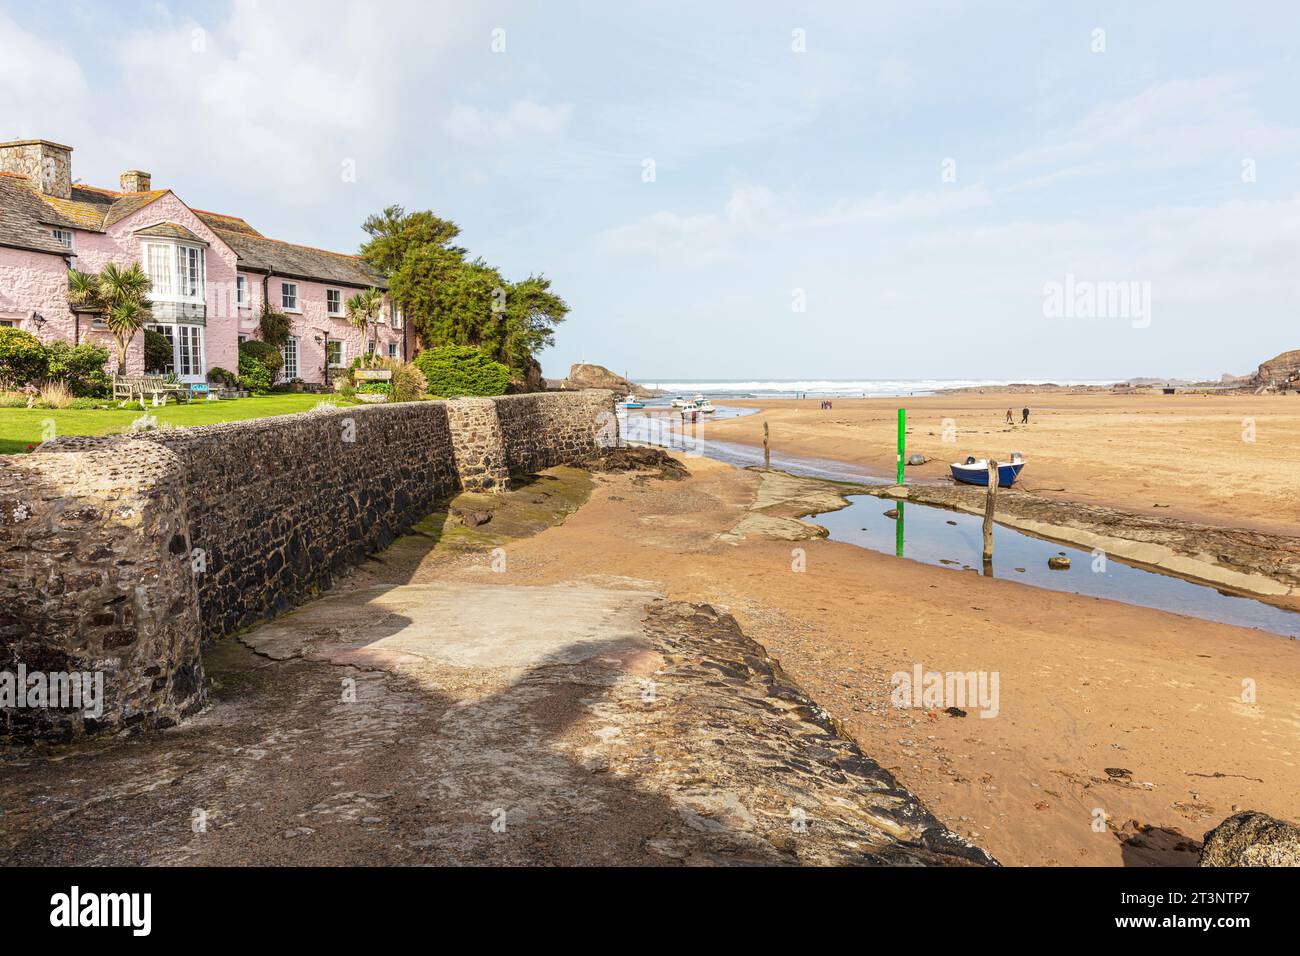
x=899, y=534
x=955, y=540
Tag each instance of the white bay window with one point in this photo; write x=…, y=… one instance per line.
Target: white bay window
x=178, y=272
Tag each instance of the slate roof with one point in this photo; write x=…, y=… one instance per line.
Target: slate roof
x=97, y=209
x=287, y=259
x=27, y=219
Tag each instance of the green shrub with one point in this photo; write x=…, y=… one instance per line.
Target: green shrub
x=253, y=375
x=23, y=359
x=274, y=326
x=265, y=354
x=375, y=388
x=80, y=367
x=87, y=403
x=452, y=370
x=408, y=382
x=157, y=351
x=220, y=376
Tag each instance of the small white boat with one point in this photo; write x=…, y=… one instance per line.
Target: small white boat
x=705, y=407
x=975, y=471
x=631, y=402
x=681, y=403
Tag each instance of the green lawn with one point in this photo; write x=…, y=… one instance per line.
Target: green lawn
x=20, y=427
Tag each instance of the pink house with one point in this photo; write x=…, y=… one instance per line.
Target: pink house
x=211, y=272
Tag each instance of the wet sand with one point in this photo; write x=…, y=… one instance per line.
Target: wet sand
x=1183, y=456
x=1086, y=685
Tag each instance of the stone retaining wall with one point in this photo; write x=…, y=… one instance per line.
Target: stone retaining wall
x=119, y=555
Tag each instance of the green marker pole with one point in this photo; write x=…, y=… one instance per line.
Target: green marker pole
x=898, y=531
x=902, y=441
x=902, y=451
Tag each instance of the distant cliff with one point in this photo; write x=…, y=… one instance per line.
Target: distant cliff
x=1280, y=372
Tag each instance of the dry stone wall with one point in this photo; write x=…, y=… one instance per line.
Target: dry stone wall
x=119, y=555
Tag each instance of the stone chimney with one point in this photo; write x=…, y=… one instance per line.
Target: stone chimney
x=48, y=166
x=135, y=181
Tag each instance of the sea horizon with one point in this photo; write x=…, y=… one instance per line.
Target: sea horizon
x=842, y=388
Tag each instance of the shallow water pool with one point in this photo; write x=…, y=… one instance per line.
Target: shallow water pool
x=955, y=540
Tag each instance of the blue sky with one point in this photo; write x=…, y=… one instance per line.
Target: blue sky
x=915, y=176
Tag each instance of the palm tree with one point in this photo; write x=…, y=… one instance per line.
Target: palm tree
x=364, y=308
x=122, y=295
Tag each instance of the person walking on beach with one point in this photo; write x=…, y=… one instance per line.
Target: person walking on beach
x=1024, y=415
x=1010, y=418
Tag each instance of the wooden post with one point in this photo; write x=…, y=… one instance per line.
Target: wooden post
x=767, y=452
x=988, y=511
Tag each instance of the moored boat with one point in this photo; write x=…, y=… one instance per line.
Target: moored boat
x=631, y=402
x=975, y=471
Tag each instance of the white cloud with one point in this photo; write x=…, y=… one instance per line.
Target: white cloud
x=42, y=87
x=757, y=213
x=1175, y=123
x=522, y=122
x=928, y=204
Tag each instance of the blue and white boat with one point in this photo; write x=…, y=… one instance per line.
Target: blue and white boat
x=975, y=471
x=631, y=402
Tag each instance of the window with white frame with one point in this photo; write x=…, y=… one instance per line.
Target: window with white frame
x=290, y=352
x=392, y=350
x=289, y=296
x=334, y=301
x=243, y=337
x=334, y=353
x=189, y=351
x=241, y=291
x=64, y=236
x=178, y=272
x=370, y=347
x=394, y=316
x=169, y=333
x=190, y=269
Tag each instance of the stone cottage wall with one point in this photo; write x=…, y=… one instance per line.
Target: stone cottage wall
x=121, y=554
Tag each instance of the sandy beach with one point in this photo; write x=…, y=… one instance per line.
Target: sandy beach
x=1185, y=456
x=1108, y=711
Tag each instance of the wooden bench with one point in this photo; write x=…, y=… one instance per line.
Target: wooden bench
x=137, y=387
